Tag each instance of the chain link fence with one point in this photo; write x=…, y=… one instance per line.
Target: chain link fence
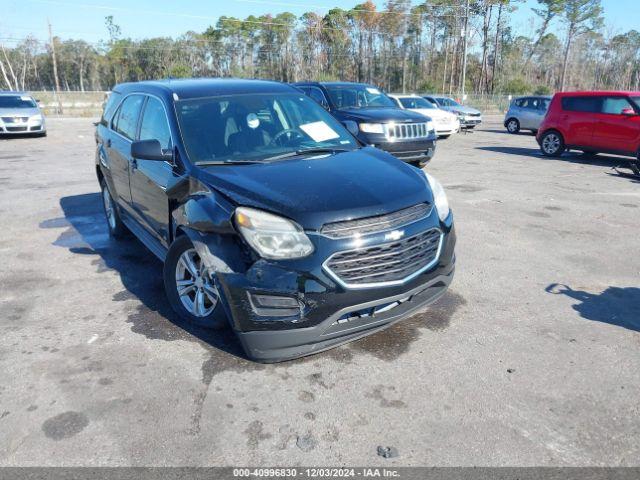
x=89, y=104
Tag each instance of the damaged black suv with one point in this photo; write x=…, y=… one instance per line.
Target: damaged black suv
x=269, y=215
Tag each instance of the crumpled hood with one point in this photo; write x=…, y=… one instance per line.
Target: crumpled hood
x=18, y=112
x=380, y=115
x=322, y=189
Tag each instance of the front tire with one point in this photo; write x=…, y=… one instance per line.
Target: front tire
x=444, y=137
x=513, y=125
x=192, y=290
x=551, y=144
x=117, y=229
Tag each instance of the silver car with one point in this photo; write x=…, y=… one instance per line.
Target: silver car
x=526, y=113
x=469, y=117
x=20, y=115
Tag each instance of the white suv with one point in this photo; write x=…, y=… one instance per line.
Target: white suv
x=445, y=123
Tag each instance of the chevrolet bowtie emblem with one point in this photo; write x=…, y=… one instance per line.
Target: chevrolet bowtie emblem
x=395, y=235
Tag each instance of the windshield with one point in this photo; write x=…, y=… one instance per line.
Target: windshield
x=17, y=101
x=447, y=102
x=416, y=102
x=358, y=96
x=257, y=127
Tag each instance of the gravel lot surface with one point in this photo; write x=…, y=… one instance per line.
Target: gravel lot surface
x=532, y=357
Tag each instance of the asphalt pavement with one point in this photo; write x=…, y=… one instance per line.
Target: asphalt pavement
x=531, y=358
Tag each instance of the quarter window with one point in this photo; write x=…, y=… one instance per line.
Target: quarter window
x=154, y=124
x=109, y=107
x=318, y=96
x=127, y=118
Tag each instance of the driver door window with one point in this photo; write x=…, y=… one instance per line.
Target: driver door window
x=154, y=124
x=615, y=105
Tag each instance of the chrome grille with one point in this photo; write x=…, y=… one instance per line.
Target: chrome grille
x=390, y=263
x=401, y=131
x=364, y=226
x=14, y=119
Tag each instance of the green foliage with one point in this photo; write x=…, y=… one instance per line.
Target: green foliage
x=180, y=71
x=517, y=86
x=543, y=90
x=415, y=45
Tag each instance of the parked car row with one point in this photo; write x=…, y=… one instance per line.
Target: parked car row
x=591, y=122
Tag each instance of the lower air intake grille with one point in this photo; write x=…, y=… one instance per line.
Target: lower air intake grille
x=391, y=262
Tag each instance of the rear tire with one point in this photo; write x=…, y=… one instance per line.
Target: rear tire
x=513, y=125
x=193, y=292
x=117, y=229
x=552, y=144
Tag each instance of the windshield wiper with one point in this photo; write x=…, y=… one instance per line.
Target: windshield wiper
x=306, y=151
x=226, y=162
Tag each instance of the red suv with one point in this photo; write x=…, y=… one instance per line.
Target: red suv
x=607, y=122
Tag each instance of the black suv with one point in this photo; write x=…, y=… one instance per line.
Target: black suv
x=376, y=120
x=269, y=215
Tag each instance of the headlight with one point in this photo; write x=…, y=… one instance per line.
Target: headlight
x=372, y=127
x=439, y=197
x=36, y=118
x=430, y=126
x=271, y=236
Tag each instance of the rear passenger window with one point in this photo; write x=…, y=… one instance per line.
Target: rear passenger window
x=581, y=104
x=127, y=118
x=615, y=105
x=154, y=124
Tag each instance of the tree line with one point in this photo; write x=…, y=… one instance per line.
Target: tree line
x=404, y=47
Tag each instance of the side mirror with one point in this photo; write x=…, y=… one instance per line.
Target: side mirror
x=150, y=150
x=629, y=112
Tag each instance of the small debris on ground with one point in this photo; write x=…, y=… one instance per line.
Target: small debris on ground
x=387, y=452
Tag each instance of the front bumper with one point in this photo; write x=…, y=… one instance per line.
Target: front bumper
x=409, y=151
x=466, y=122
x=21, y=129
x=276, y=346
x=328, y=314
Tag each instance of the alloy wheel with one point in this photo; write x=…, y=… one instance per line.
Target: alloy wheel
x=512, y=126
x=196, y=289
x=551, y=143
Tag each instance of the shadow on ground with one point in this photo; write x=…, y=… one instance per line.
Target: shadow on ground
x=572, y=157
x=149, y=313
x=140, y=273
x=619, y=306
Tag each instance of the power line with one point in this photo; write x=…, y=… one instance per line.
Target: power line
x=201, y=17
x=363, y=10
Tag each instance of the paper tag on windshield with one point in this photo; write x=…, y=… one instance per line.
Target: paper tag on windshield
x=319, y=131
x=26, y=99
x=373, y=91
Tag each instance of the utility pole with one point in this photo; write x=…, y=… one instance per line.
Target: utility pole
x=55, y=69
x=464, y=61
